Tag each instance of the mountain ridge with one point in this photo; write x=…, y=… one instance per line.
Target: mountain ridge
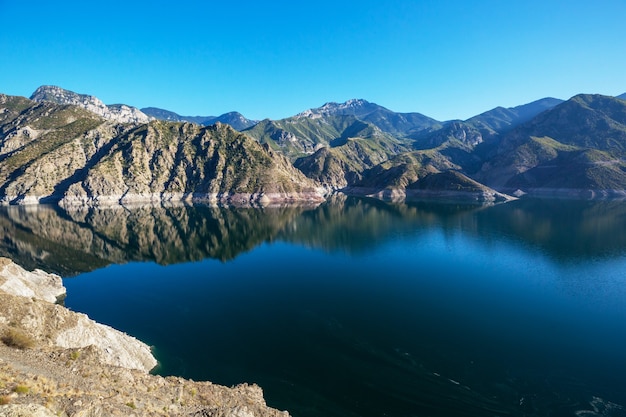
x=121, y=113
x=77, y=156
x=233, y=118
x=66, y=154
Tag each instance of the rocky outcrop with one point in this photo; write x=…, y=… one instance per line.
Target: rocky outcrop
x=120, y=113
x=57, y=362
x=36, y=284
x=28, y=301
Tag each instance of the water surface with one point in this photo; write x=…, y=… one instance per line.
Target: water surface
x=357, y=307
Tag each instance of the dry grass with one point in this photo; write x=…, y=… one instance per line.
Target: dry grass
x=17, y=339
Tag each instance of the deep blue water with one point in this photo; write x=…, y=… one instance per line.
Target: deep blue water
x=367, y=309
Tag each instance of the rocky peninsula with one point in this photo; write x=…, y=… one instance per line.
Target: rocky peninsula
x=56, y=362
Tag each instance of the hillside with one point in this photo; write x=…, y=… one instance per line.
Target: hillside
x=576, y=147
x=300, y=136
x=51, y=152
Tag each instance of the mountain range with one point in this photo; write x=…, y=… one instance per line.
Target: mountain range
x=60, y=146
x=235, y=119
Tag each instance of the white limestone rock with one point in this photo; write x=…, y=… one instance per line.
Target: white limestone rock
x=36, y=284
x=120, y=113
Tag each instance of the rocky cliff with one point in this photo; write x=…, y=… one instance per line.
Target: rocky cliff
x=120, y=113
x=57, y=362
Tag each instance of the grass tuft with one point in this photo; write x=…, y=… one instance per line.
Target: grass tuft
x=21, y=389
x=17, y=339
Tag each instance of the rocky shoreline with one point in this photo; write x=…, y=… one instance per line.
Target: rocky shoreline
x=56, y=362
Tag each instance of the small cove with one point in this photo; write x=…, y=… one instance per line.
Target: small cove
x=361, y=308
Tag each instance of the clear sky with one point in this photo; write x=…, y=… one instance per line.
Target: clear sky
x=446, y=59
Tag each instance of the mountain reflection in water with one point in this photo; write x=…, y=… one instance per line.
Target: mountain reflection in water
x=358, y=307
x=78, y=241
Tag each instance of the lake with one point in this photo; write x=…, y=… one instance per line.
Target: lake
x=359, y=307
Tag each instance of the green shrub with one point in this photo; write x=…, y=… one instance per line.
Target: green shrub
x=21, y=389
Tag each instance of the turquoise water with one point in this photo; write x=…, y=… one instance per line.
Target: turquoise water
x=359, y=308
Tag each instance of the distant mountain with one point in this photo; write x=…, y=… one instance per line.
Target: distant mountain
x=578, y=147
x=117, y=112
x=51, y=152
x=334, y=143
x=500, y=119
x=398, y=124
x=235, y=119
x=623, y=96
x=301, y=136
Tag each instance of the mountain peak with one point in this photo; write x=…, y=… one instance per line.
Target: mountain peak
x=354, y=107
x=120, y=113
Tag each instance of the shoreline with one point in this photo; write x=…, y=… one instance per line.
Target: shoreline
x=54, y=361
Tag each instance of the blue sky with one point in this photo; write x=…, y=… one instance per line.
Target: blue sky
x=445, y=59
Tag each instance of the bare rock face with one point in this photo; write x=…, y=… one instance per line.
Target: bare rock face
x=120, y=113
x=36, y=284
x=21, y=304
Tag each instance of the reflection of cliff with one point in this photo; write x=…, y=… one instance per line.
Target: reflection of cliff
x=354, y=225
x=72, y=242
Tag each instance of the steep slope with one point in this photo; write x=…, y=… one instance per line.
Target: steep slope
x=120, y=113
x=163, y=161
x=339, y=166
x=54, y=152
x=576, y=148
x=44, y=144
x=235, y=119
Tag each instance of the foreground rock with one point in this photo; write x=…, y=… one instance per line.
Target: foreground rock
x=57, y=362
x=37, y=284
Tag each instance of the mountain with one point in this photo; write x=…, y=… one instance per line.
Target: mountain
x=623, y=96
x=51, y=152
x=422, y=175
x=397, y=124
x=78, y=154
x=116, y=112
x=576, y=148
x=500, y=119
x=300, y=136
x=235, y=119
x=338, y=166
